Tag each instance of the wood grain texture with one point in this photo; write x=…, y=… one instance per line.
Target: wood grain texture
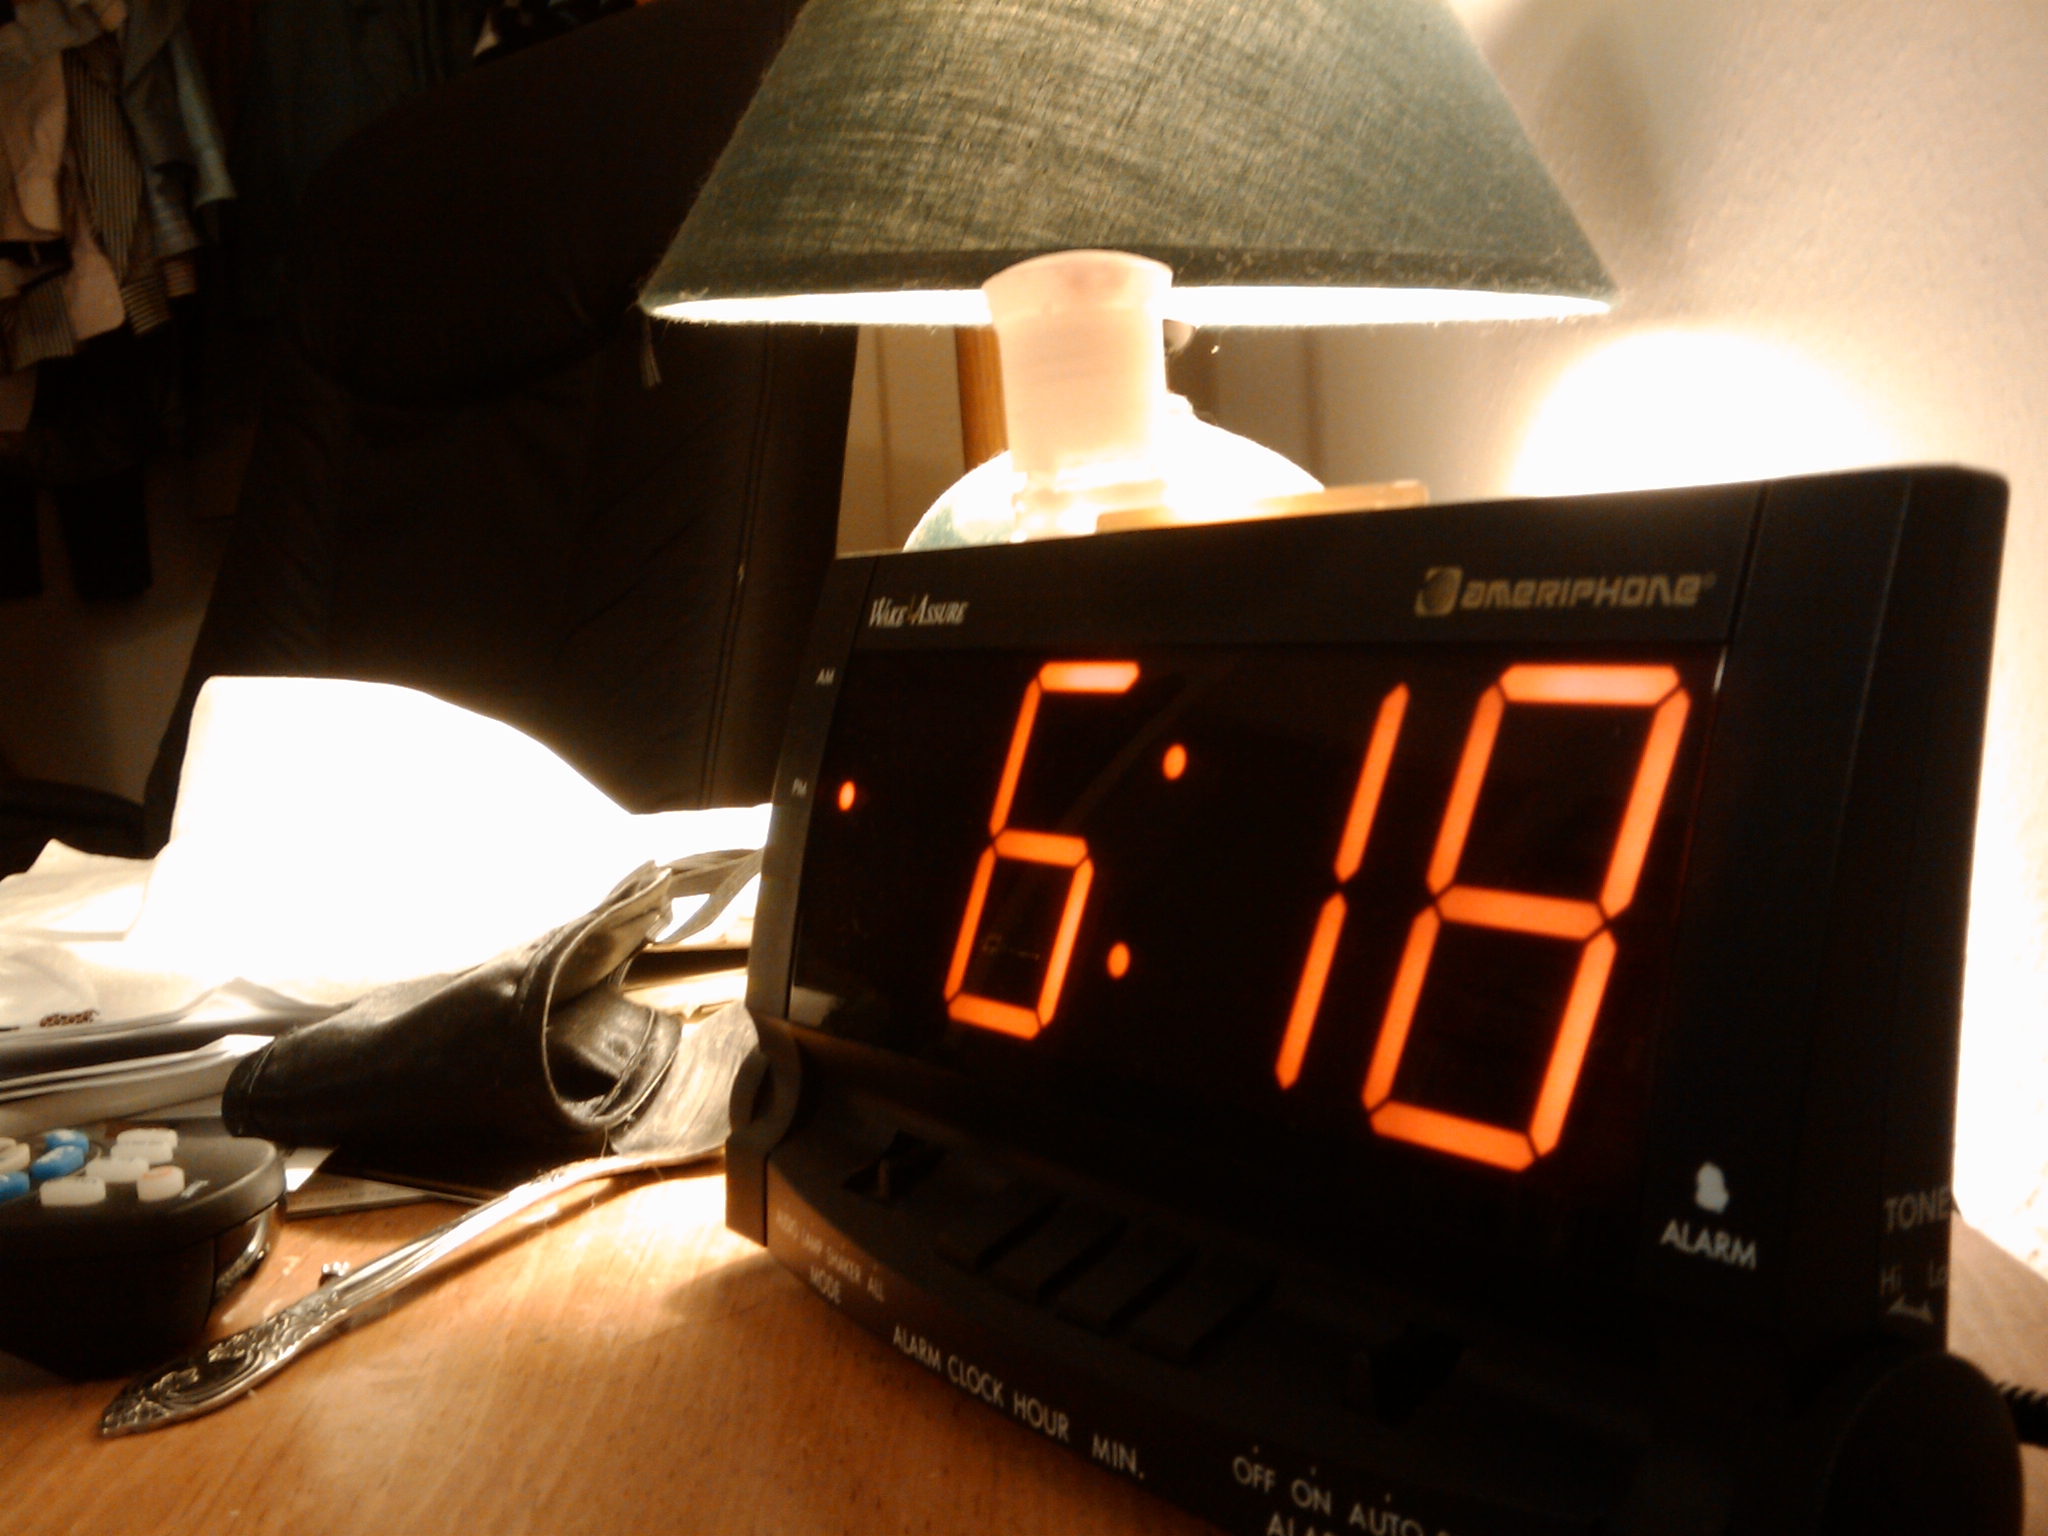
x=1998, y=1320
x=631, y=1367
x=984, y=430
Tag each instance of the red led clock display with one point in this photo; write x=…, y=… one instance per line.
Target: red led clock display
x=1413, y=906
x=1579, y=922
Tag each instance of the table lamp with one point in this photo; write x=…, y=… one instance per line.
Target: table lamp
x=1291, y=162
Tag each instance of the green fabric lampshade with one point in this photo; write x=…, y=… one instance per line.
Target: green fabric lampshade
x=1293, y=161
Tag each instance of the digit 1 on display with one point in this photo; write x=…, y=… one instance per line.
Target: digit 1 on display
x=1322, y=948
x=1054, y=848
x=1581, y=922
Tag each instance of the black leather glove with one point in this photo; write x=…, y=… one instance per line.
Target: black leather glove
x=536, y=1052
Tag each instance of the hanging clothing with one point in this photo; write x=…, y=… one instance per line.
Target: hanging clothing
x=109, y=147
x=98, y=416
x=33, y=122
x=109, y=152
x=42, y=29
x=92, y=288
x=37, y=324
x=176, y=137
x=114, y=183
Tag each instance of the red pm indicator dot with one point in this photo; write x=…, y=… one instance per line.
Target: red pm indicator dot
x=847, y=795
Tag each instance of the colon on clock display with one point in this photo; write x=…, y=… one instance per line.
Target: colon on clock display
x=1406, y=911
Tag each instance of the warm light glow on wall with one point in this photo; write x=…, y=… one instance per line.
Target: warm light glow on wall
x=1665, y=408
x=1689, y=407
x=2001, y=1178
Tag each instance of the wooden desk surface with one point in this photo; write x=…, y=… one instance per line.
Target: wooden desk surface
x=633, y=1367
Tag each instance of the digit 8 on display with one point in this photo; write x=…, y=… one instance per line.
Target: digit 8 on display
x=1054, y=848
x=1582, y=922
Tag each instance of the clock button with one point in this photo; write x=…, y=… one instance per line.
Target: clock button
x=1196, y=1310
x=164, y=1182
x=73, y=1190
x=1109, y=1289
x=116, y=1170
x=907, y=1159
x=990, y=1225
x=1076, y=1233
x=63, y=1158
x=1394, y=1379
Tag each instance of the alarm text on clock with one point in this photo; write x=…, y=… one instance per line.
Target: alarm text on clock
x=1445, y=590
x=1053, y=1423
x=916, y=613
x=1709, y=1243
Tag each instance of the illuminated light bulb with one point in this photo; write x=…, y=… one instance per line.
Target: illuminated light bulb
x=1175, y=763
x=1669, y=408
x=1119, y=960
x=847, y=795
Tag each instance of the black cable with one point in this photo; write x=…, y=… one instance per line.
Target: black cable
x=2029, y=1410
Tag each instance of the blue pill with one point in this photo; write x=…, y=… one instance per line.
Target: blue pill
x=13, y=1186
x=66, y=1139
x=57, y=1162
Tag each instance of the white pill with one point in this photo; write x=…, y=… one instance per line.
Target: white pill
x=165, y=1183
x=13, y=1157
x=138, y=1133
x=76, y=1189
x=121, y=1168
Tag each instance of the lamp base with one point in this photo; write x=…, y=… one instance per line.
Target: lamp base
x=1204, y=474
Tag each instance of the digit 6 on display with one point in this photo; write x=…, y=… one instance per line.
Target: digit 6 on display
x=1057, y=849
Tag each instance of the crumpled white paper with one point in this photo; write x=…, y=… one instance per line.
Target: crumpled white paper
x=329, y=837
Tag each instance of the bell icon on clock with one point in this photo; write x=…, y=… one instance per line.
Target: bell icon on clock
x=1710, y=1189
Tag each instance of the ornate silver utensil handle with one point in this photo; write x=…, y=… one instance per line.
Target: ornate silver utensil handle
x=214, y=1375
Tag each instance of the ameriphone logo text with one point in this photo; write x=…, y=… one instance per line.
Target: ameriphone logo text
x=1445, y=590
x=916, y=613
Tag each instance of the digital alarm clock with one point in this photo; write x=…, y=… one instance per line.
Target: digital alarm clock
x=1429, y=1023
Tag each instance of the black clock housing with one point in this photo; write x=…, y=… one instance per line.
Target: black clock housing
x=1436, y=1020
